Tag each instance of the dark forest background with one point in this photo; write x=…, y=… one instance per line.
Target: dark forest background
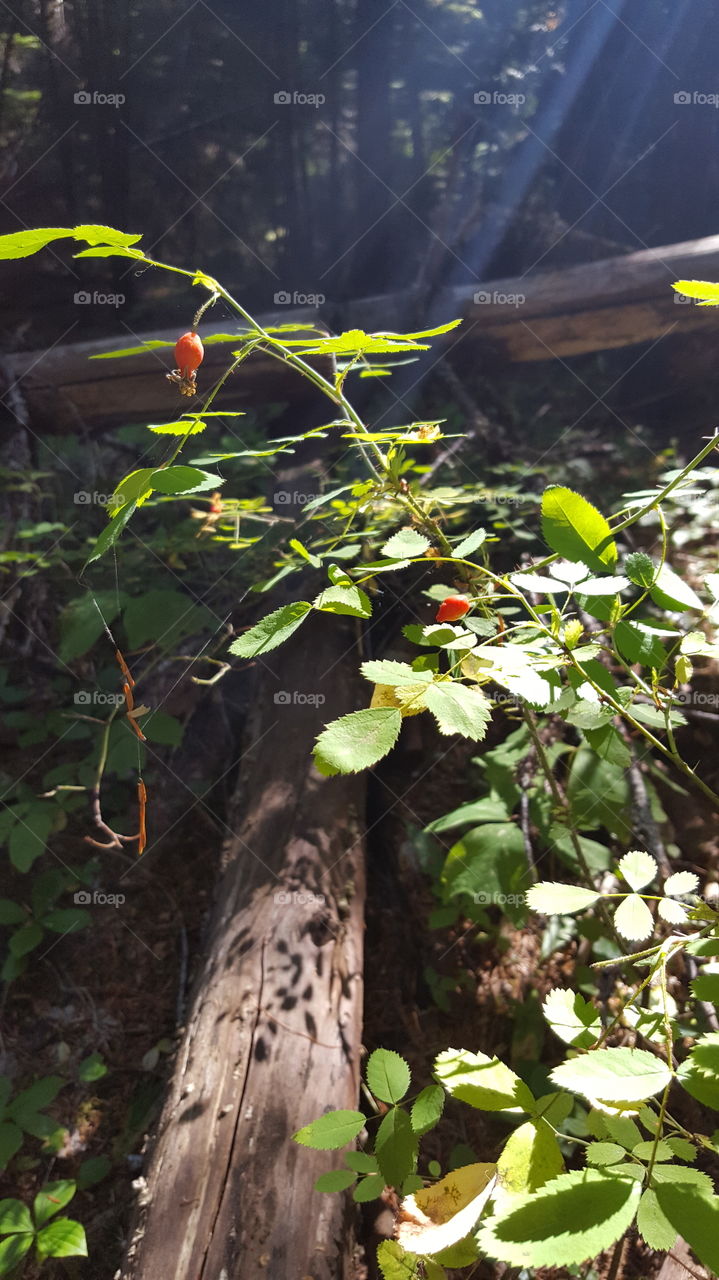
x=398, y=181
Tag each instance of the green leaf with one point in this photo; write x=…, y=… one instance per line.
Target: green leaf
x=696, y=1217
x=459, y=709
x=639, y=642
x=10, y=1142
x=178, y=428
x=66, y=919
x=81, y=622
x=271, y=631
x=111, y=532
x=29, y=835
x=638, y=868
x=395, y=674
x=427, y=1109
x=699, y=1073
x=368, y=1189
x=21, y=244
x=652, y=1223
x=490, y=864
x=404, y=543
x=62, y=1239
x=351, y=601
x=12, y=1251
x=469, y=544
x=14, y=1216
x=136, y=486
x=530, y=1158
x=709, y=293
x=602, y=1153
x=614, y=1075
x=607, y=743
x=570, y=1220
x=335, y=1180
x=96, y=233
x=482, y=1082
x=92, y=1068
x=51, y=1199
x=182, y=479
x=395, y=1264
x=360, y=1161
x=92, y=1171
x=599, y=795
x=330, y=1131
x=388, y=1075
x=26, y=939
x=576, y=530
x=572, y=1018
x=165, y=617
x=11, y=912
x=37, y=1095
x=633, y=919
x=646, y=1150
x=551, y=898
x=489, y=809
x=358, y=740
x=673, y=593
x=639, y=568
x=395, y=1147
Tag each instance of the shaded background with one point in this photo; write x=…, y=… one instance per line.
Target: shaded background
x=380, y=173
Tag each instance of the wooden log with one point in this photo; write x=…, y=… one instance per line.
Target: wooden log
x=273, y=1031
x=615, y=302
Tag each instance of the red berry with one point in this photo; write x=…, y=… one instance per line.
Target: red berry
x=189, y=353
x=452, y=608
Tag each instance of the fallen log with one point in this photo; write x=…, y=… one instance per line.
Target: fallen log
x=272, y=1037
x=549, y=315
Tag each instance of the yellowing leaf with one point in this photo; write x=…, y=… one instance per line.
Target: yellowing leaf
x=440, y=1216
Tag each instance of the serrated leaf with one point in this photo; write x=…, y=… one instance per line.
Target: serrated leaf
x=335, y=1180
x=652, y=1223
x=672, y=592
x=673, y=912
x=404, y=543
x=388, y=1075
x=427, y=1109
x=469, y=544
x=696, y=1217
x=638, y=868
x=681, y=882
x=360, y=1161
x=395, y=674
x=572, y=1018
x=350, y=601
x=646, y=1150
x=570, y=1220
x=184, y=479
x=358, y=740
x=614, y=1075
x=395, y=1147
x=395, y=1264
x=271, y=631
x=576, y=530
x=459, y=709
x=438, y=1217
x=182, y=428
x=330, y=1131
x=633, y=919
x=531, y=1157
x=602, y=1153
x=639, y=568
x=482, y=1082
x=551, y=898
